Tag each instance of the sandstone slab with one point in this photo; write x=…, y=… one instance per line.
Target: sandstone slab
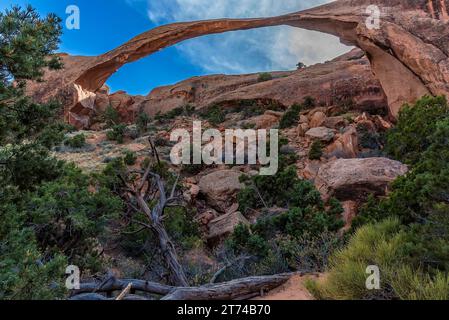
x=353, y=179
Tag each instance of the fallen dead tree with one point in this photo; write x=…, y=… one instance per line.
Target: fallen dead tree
x=239, y=289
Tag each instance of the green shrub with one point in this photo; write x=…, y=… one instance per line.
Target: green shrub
x=369, y=139
x=186, y=111
x=309, y=102
x=27, y=166
x=117, y=133
x=53, y=134
x=316, y=150
x=130, y=158
x=290, y=117
x=265, y=76
x=215, y=115
x=66, y=212
x=76, y=142
x=386, y=246
x=142, y=122
x=182, y=227
x=416, y=124
x=111, y=117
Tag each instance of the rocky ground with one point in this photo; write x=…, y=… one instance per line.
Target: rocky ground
x=350, y=167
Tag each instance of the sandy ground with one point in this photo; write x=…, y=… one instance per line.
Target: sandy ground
x=293, y=289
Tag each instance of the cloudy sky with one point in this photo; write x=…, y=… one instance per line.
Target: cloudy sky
x=274, y=48
x=105, y=24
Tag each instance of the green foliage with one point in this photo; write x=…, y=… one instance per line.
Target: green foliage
x=300, y=65
x=305, y=220
x=53, y=134
x=424, y=188
x=142, y=122
x=25, y=273
x=27, y=165
x=386, y=246
x=111, y=117
x=290, y=117
x=265, y=76
x=130, y=158
x=412, y=248
x=309, y=254
x=316, y=150
x=369, y=139
x=186, y=111
x=182, y=227
x=416, y=125
x=117, y=133
x=66, y=211
x=215, y=115
x=309, y=102
x=76, y=142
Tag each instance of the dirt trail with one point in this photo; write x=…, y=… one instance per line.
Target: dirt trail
x=293, y=289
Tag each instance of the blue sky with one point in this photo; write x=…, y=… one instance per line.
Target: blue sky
x=105, y=24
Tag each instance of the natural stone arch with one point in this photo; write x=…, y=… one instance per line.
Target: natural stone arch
x=407, y=54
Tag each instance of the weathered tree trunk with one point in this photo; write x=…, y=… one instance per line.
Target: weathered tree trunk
x=233, y=290
x=177, y=274
x=114, y=284
x=238, y=289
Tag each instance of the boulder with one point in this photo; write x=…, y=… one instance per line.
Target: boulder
x=224, y=225
x=346, y=146
x=265, y=121
x=220, y=188
x=336, y=122
x=303, y=119
x=354, y=179
x=317, y=119
x=321, y=133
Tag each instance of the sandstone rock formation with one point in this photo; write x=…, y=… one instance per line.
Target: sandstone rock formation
x=220, y=188
x=353, y=179
x=321, y=133
x=345, y=146
x=224, y=225
x=408, y=53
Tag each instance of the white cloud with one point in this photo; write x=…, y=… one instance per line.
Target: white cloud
x=274, y=48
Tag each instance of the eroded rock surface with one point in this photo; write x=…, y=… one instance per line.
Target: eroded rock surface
x=409, y=53
x=353, y=179
x=220, y=188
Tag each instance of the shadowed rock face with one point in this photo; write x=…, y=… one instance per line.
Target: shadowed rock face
x=408, y=54
x=331, y=83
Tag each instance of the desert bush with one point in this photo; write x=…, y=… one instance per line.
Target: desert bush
x=215, y=115
x=309, y=102
x=416, y=125
x=117, y=133
x=265, y=76
x=142, y=122
x=76, y=142
x=369, y=139
x=130, y=158
x=186, y=111
x=385, y=245
x=290, y=117
x=111, y=116
x=182, y=227
x=316, y=150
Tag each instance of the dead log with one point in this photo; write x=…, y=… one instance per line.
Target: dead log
x=119, y=285
x=232, y=290
x=239, y=289
x=99, y=297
